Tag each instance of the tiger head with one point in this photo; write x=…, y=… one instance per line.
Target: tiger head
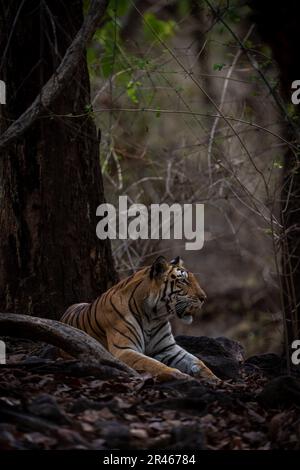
x=174, y=291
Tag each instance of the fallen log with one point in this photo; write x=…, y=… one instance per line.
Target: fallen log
x=75, y=342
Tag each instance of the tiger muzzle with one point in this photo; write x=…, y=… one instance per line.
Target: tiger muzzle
x=186, y=311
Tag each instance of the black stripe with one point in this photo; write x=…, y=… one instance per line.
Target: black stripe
x=133, y=292
x=96, y=319
x=136, y=306
x=127, y=280
x=137, y=319
x=68, y=318
x=165, y=349
x=134, y=332
x=122, y=347
x=124, y=335
x=180, y=359
x=157, y=330
x=136, y=335
x=103, y=297
x=166, y=335
x=122, y=317
x=131, y=327
x=138, y=311
x=81, y=319
x=172, y=358
x=88, y=313
x=71, y=317
x=135, y=314
x=64, y=317
x=76, y=319
x=135, y=288
x=84, y=319
x=164, y=291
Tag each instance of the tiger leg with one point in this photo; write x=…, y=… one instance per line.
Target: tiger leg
x=177, y=357
x=141, y=363
x=166, y=350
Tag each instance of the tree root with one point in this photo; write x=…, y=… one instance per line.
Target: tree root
x=75, y=342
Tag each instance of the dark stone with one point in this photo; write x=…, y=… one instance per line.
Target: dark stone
x=187, y=438
x=45, y=406
x=219, y=355
x=282, y=391
x=271, y=364
x=232, y=347
x=81, y=404
x=116, y=434
x=194, y=398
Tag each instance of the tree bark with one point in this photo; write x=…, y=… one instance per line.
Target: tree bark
x=279, y=27
x=50, y=177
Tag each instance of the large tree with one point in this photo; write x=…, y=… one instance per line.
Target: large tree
x=50, y=177
x=279, y=27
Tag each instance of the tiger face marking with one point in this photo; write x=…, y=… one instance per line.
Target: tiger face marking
x=176, y=292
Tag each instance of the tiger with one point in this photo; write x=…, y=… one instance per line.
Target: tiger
x=132, y=320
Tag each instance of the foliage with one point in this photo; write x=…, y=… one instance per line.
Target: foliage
x=188, y=116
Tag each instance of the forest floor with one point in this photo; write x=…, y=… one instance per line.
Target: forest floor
x=58, y=404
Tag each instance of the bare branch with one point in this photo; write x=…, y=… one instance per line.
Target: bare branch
x=226, y=82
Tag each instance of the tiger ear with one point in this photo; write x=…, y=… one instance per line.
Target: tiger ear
x=177, y=261
x=159, y=267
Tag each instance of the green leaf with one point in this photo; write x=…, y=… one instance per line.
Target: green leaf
x=88, y=108
x=132, y=90
x=154, y=27
x=278, y=164
x=218, y=67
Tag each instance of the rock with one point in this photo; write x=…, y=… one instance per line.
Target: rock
x=45, y=406
x=193, y=398
x=187, y=438
x=220, y=358
x=282, y=391
x=254, y=437
x=271, y=364
x=7, y=439
x=25, y=421
x=82, y=403
x=116, y=434
x=232, y=347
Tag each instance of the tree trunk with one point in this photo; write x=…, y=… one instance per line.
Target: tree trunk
x=280, y=30
x=50, y=179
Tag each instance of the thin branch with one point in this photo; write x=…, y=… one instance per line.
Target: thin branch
x=192, y=113
x=200, y=87
x=225, y=87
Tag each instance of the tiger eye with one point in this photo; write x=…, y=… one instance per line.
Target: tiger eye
x=173, y=276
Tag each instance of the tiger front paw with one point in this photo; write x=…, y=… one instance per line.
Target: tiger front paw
x=172, y=374
x=200, y=371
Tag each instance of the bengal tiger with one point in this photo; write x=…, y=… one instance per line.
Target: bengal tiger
x=132, y=318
